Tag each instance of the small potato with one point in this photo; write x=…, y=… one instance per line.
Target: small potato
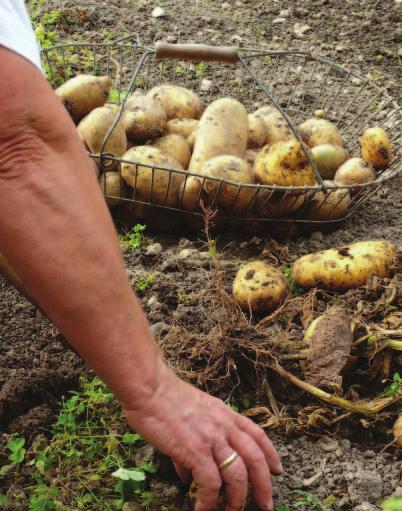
x=320, y=131
x=376, y=147
x=228, y=168
x=259, y=287
x=328, y=159
x=183, y=127
x=94, y=127
x=271, y=205
x=191, y=192
x=397, y=430
x=178, y=102
x=144, y=118
x=156, y=185
x=257, y=131
x=328, y=205
x=354, y=171
x=343, y=268
x=113, y=187
x=81, y=94
x=223, y=130
x=176, y=146
x=191, y=139
x=284, y=164
x=277, y=129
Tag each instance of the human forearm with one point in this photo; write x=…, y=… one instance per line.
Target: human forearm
x=56, y=231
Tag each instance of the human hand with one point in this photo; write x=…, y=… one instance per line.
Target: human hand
x=199, y=432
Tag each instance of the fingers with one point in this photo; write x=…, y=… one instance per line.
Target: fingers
x=208, y=479
x=265, y=444
x=235, y=478
x=183, y=472
x=257, y=467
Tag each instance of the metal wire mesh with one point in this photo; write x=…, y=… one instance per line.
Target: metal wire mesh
x=296, y=82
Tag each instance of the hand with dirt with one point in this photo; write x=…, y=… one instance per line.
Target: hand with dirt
x=199, y=432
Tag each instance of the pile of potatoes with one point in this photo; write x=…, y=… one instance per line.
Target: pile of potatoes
x=228, y=148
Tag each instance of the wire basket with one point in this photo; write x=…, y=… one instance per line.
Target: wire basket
x=295, y=82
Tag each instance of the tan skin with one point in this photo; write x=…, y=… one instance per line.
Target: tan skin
x=58, y=235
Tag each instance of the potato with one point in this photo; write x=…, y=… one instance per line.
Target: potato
x=257, y=131
x=183, y=127
x=83, y=93
x=112, y=185
x=354, y=171
x=277, y=129
x=343, y=268
x=328, y=159
x=93, y=129
x=320, y=131
x=259, y=287
x=284, y=164
x=178, y=102
x=327, y=205
x=376, y=147
x=223, y=129
x=250, y=156
x=176, y=146
x=143, y=118
x=191, y=140
x=271, y=205
x=155, y=218
x=229, y=168
x=397, y=430
x=158, y=186
x=191, y=192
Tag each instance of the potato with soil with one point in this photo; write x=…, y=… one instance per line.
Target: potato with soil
x=183, y=127
x=277, y=129
x=228, y=168
x=176, y=146
x=81, y=94
x=320, y=131
x=113, y=186
x=354, y=171
x=143, y=118
x=93, y=128
x=178, y=102
x=274, y=205
x=328, y=158
x=284, y=164
x=376, y=147
x=343, y=268
x=328, y=204
x=191, y=192
x=223, y=130
x=259, y=287
x=156, y=185
x=257, y=131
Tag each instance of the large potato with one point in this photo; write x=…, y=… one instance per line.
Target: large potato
x=223, y=129
x=156, y=185
x=328, y=158
x=330, y=204
x=348, y=267
x=113, y=187
x=284, y=164
x=183, y=127
x=228, y=168
x=83, y=93
x=94, y=127
x=376, y=147
x=176, y=146
x=178, y=102
x=259, y=287
x=277, y=129
x=257, y=131
x=320, y=131
x=354, y=171
x=271, y=205
x=143, y=118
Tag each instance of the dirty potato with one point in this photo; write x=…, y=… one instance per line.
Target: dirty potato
x=257, y=131
x=343, y=268
x=376, y=147
x=259, y=287
x=328, y=204
x=113, y=187
x=354, y=171
x=178, y=102
x=320, y=131
x=274, y=205
x=143, y=118
x=328, y=158
x=176, y=146
x=183, y=127
x=277, y=129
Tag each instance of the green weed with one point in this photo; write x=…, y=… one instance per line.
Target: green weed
x=296, y=289
x=143, y=284
x=199, y=69
x=392, y=504
x=135, y=237
x=395, y=388
x=16, y=448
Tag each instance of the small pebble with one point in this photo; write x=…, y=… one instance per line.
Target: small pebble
x=158, y=12
x=154, y=249
x=328, y=444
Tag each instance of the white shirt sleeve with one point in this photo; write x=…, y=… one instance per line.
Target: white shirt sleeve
x=16, y=31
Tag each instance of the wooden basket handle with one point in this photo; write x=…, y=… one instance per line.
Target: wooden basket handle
x=197, y=52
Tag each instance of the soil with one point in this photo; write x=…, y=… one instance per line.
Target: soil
x=36, y=365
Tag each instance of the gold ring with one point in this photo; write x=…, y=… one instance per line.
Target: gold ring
x=228, y=461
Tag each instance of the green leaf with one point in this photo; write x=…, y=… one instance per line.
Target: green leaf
x=15, y=444
x=5, y=469
x=392, y=504
x=126, y=474
x=149, y=467
x=3, y=499
x=130, y=438
x=18, y=456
